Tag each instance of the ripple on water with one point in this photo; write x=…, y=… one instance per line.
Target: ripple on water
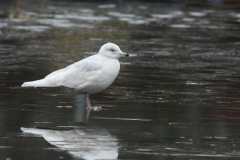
x=123, y=119
x=33, y=28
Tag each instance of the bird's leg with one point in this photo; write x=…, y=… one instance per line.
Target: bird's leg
x=88, y=115
x=89, y=107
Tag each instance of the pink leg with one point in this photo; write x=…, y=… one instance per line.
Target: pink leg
x=89, y=107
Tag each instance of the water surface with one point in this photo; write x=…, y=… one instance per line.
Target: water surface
x=176, y=97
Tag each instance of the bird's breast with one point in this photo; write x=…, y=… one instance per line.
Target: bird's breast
x=106, y=77
x=111, y=68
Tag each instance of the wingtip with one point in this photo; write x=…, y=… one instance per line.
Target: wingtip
x=23, y=85
x=27, y=84
x=22, y=128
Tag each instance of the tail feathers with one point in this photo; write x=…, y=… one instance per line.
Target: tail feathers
x=37, y=83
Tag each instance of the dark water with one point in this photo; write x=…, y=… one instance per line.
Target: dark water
x=177, y=96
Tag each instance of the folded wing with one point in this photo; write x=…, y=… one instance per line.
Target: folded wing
x=72, y=76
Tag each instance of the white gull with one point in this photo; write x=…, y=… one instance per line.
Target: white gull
x=90, y=75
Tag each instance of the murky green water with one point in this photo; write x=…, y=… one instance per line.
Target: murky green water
x=177, y=96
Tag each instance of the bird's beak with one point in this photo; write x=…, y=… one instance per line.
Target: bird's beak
x=123, y=54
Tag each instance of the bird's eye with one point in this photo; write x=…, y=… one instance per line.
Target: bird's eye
x=112, y=50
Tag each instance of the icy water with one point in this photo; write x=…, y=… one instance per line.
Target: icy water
x=176, y=97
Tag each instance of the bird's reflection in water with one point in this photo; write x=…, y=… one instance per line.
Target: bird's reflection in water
x=85, y=141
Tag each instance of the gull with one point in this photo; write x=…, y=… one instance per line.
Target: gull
x=87, y=76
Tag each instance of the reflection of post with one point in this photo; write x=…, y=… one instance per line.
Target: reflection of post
x=80, y=109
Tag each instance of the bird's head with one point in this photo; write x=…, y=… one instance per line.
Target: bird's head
x=112, y=50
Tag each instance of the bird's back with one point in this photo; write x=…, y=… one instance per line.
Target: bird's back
x=76, y=74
